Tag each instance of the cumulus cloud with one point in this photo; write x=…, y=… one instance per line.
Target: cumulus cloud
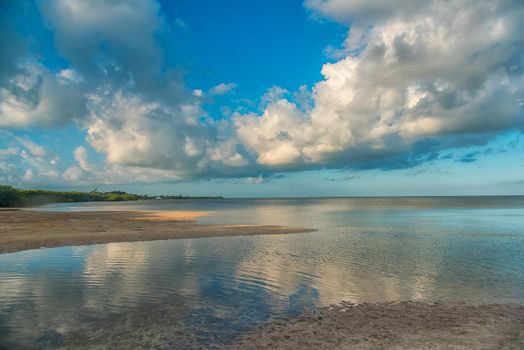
x=33, y=148
x=87, y=172
x=365, y=11
x=24, y=161
x=84, y=171
x=254, y=180
x=133, y=131
x=30, y=93
x=139, y=113
x=222, y=88
x=413, y=78
x=33, y=96
x=69, y=76
x=105, y=43
x=425, y=78
x=136, y=132
x=90, y=34
x=136, y=110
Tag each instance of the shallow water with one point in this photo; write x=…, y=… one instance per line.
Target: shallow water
x=176, y=294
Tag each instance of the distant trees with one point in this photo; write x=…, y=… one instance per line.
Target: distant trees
x=13, y=197
x=10, y=197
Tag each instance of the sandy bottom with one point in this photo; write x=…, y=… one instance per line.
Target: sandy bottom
x=404, y=325
x=26, y=229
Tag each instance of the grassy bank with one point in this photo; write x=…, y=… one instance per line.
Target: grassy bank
x=13, y=197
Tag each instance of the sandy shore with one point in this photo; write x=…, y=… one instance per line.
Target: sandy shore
x=26, y=229
x=405, y=325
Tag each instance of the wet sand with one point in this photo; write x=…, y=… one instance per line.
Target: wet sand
x=404, y=325
x=26, y=229
x=397, y=326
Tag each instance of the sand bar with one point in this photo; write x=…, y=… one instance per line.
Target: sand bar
x=26, y=229
x=401, y=325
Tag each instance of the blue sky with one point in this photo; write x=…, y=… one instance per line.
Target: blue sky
x=263, y=98
x=252, y=43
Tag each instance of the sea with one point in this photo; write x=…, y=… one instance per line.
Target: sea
x=191, y=293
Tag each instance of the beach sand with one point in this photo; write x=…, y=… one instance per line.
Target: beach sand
x=402, y=325
x=27, y=229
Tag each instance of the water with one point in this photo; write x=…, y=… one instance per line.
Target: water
x=183, y=293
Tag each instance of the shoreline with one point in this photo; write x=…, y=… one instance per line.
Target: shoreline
x=394, y=325
x=27, y=229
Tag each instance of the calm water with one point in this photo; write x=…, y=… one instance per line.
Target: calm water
x=177, y=294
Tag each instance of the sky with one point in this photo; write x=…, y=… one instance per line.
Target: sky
x=263, y=98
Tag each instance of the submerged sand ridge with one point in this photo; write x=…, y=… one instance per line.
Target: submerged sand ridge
x=27, y=229
x=400, y=325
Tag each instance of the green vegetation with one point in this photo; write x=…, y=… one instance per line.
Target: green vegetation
x=10, y=197
x=13, y=197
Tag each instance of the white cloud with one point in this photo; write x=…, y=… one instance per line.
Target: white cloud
x=275, y=135
x=222, y=88
x=254, y=180
x=35, y=149
x=226, y=153
x=28, y=176
x=132, y=131
x=135, y=132
x=8, y=152
x=87, y=172
x=119, y=30
x=136, y=112
x=69, y=76
x=34, y=96
x=273, y=94
x=26, y=161
x=9, y=173
x=438, y=70
x=80, y=154
x=74, y=174
x=413, y=78
x=366, y=11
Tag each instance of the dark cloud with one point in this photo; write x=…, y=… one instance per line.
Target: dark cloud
x=469, y=157
x=421, y=171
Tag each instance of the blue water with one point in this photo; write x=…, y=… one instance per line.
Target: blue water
x=184, y=293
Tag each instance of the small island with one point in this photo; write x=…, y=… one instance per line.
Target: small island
x=11, y=197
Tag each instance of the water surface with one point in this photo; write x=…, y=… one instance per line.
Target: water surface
x=179, y=293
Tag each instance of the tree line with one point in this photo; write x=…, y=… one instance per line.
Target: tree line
x=13, y=197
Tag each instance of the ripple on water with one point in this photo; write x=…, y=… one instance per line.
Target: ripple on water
x=189, y=292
